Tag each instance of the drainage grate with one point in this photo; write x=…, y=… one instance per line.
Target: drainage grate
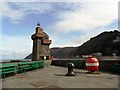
x=39, y=84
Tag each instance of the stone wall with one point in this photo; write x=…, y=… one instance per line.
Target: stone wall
x=105, y=65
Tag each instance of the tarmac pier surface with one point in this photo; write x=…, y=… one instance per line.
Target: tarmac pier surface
x=54, y=77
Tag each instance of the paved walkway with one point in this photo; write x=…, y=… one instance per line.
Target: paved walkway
x=54, y=77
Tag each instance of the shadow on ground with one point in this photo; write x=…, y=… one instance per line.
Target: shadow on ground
x=59, y=74
x=77, y=72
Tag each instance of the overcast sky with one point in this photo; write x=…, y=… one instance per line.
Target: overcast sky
x=67, y=23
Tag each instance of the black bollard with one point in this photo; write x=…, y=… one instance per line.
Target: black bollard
x=70, y=69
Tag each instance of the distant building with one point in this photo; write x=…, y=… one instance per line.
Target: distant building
x=41, y=44
x=116, y=40
x=116, y=45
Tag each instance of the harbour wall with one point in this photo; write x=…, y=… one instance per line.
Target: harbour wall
x=104, y=65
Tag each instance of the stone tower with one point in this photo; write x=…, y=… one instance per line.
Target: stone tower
x=41, y=44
